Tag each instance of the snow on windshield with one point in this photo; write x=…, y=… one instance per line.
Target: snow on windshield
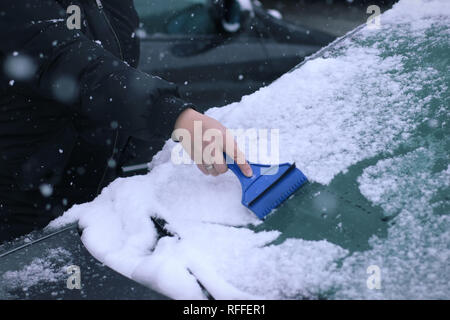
x=381, y=94
x=47, y=269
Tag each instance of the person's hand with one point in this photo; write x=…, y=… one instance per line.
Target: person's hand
x=205, y=139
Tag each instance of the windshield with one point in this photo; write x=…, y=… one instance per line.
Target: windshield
x=368, y=123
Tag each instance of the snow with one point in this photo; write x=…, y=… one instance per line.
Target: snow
x=65, y=89
x=46, y=269
x=231, y=27
x=362, y=100
x=46, y=190
x=275, y=13
x=19, y=67
x=416, y=255
x=246, y=5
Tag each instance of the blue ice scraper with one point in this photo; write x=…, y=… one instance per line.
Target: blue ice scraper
x=269, y=186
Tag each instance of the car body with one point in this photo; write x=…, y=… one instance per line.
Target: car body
x=379, y=207
x=185, y=41
x=212, y=67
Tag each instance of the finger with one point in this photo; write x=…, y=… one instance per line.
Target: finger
x=246, y=169
x=221, y=168
x=211, y=169
x=202, y=168
x=217, y=159
x=214, y=172
x=239, y=158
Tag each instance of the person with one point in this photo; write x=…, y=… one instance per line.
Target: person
x=71, y=100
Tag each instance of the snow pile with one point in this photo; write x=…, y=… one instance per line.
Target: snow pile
x=363, y=99
x=246, y=5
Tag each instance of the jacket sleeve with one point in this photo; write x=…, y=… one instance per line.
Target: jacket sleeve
x=79, y=74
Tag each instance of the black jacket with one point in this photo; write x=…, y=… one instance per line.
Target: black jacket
x=60, y=86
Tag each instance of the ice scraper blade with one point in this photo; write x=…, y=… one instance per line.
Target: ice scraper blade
x=269, y=186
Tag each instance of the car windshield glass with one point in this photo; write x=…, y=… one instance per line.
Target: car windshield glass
x=367, y=121
x=175, y=16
